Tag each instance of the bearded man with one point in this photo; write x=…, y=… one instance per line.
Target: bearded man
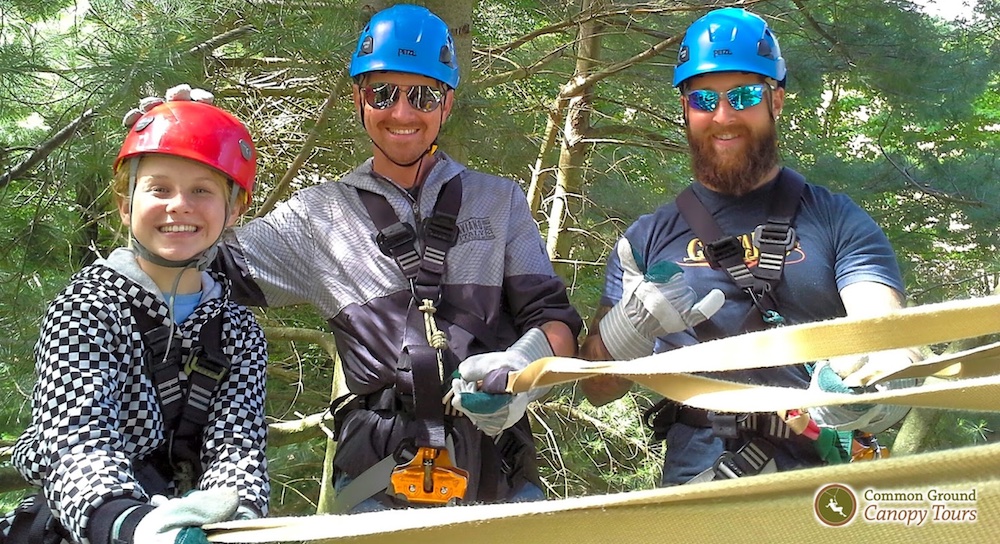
x=748, y=245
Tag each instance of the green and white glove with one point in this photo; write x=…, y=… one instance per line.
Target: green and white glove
x=871, y=418
x=179, y=521
x=178, y=92
x=655, y=301
x=479, y=390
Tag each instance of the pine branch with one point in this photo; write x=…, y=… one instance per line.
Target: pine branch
x=46, y=148
x=67, y=132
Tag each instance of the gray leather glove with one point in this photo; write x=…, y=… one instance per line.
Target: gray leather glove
x=872, y=418
x=479, y=390
x=178, y=92
x=655, y=301
x=178, y=521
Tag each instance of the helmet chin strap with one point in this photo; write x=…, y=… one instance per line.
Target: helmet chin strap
x=201, y=260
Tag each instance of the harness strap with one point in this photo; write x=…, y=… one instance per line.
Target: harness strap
x=185, y=410
x=421, y=369
x=373, y=480
x=773, y=240
x=425, y=362
x=206, y=368
x=35, y=524
x=755, y=457
x=438, y=233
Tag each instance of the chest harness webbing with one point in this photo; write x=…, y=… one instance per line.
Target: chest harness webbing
x=429, y=477
x=185, y=409
x=185, y=412
x=773, y=240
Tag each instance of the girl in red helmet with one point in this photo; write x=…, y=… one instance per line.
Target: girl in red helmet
x=148, y=412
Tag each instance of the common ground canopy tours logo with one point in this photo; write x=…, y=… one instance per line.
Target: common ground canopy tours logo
x=835, y=505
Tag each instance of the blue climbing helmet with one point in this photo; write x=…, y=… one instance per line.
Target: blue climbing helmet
x=409, y=39
x=729, y=40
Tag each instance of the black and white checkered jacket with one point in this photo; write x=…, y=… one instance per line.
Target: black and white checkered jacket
x=95, y=413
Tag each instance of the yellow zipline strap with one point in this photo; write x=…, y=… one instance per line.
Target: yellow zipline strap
x=744, y=509
x=915, y=326
x=758, y=509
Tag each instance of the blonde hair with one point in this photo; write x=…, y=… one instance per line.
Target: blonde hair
x=120, y=185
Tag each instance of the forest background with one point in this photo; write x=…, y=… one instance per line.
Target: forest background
x=571, y=98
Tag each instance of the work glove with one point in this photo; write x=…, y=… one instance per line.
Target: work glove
x=872, y=418
x=178, y=92
x=655, y=301
x=179, y=521
x=480, y=388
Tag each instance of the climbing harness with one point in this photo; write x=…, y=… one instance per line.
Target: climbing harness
x=429, y=476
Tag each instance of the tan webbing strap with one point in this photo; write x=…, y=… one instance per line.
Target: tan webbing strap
x=915, y=326
x=768, y=508
x=973, y=363
x=973, y=394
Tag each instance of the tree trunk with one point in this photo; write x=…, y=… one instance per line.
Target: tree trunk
x=573, y=153
x=88, y=203
x=540, y=171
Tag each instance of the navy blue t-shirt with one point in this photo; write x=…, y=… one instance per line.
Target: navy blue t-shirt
x=838, y=244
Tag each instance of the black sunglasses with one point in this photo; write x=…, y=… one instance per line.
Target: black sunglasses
x=382, y=96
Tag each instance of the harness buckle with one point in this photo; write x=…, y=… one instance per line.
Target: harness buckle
x=726, y=425
x=429, y=478
x=206, y=366
x=726, y=467
x=755, y=457
x=442, y=227
x=774, y=234
x=395, y=236
x=723, y=249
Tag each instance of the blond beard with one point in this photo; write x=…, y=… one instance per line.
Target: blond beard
x=735, y=175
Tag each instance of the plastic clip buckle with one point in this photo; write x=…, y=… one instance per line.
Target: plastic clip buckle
x=723, y=249
x=771, y=234
x=441, y=227
x=205, y=366
x=395, y=236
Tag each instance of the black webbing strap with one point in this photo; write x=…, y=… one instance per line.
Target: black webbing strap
x=185, y=410
x=35, y=524
x=773, y=240
x=420, y=370
x=438, y=233
x=206, y=367
x=163, y=368
x=755, y=457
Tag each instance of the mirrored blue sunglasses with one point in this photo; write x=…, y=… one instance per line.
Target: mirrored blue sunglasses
x=740, y=98
x=383, y=96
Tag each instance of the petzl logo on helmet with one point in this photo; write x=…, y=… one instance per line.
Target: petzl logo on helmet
x=407, y=52
x=721, y=52
x=835, y=505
